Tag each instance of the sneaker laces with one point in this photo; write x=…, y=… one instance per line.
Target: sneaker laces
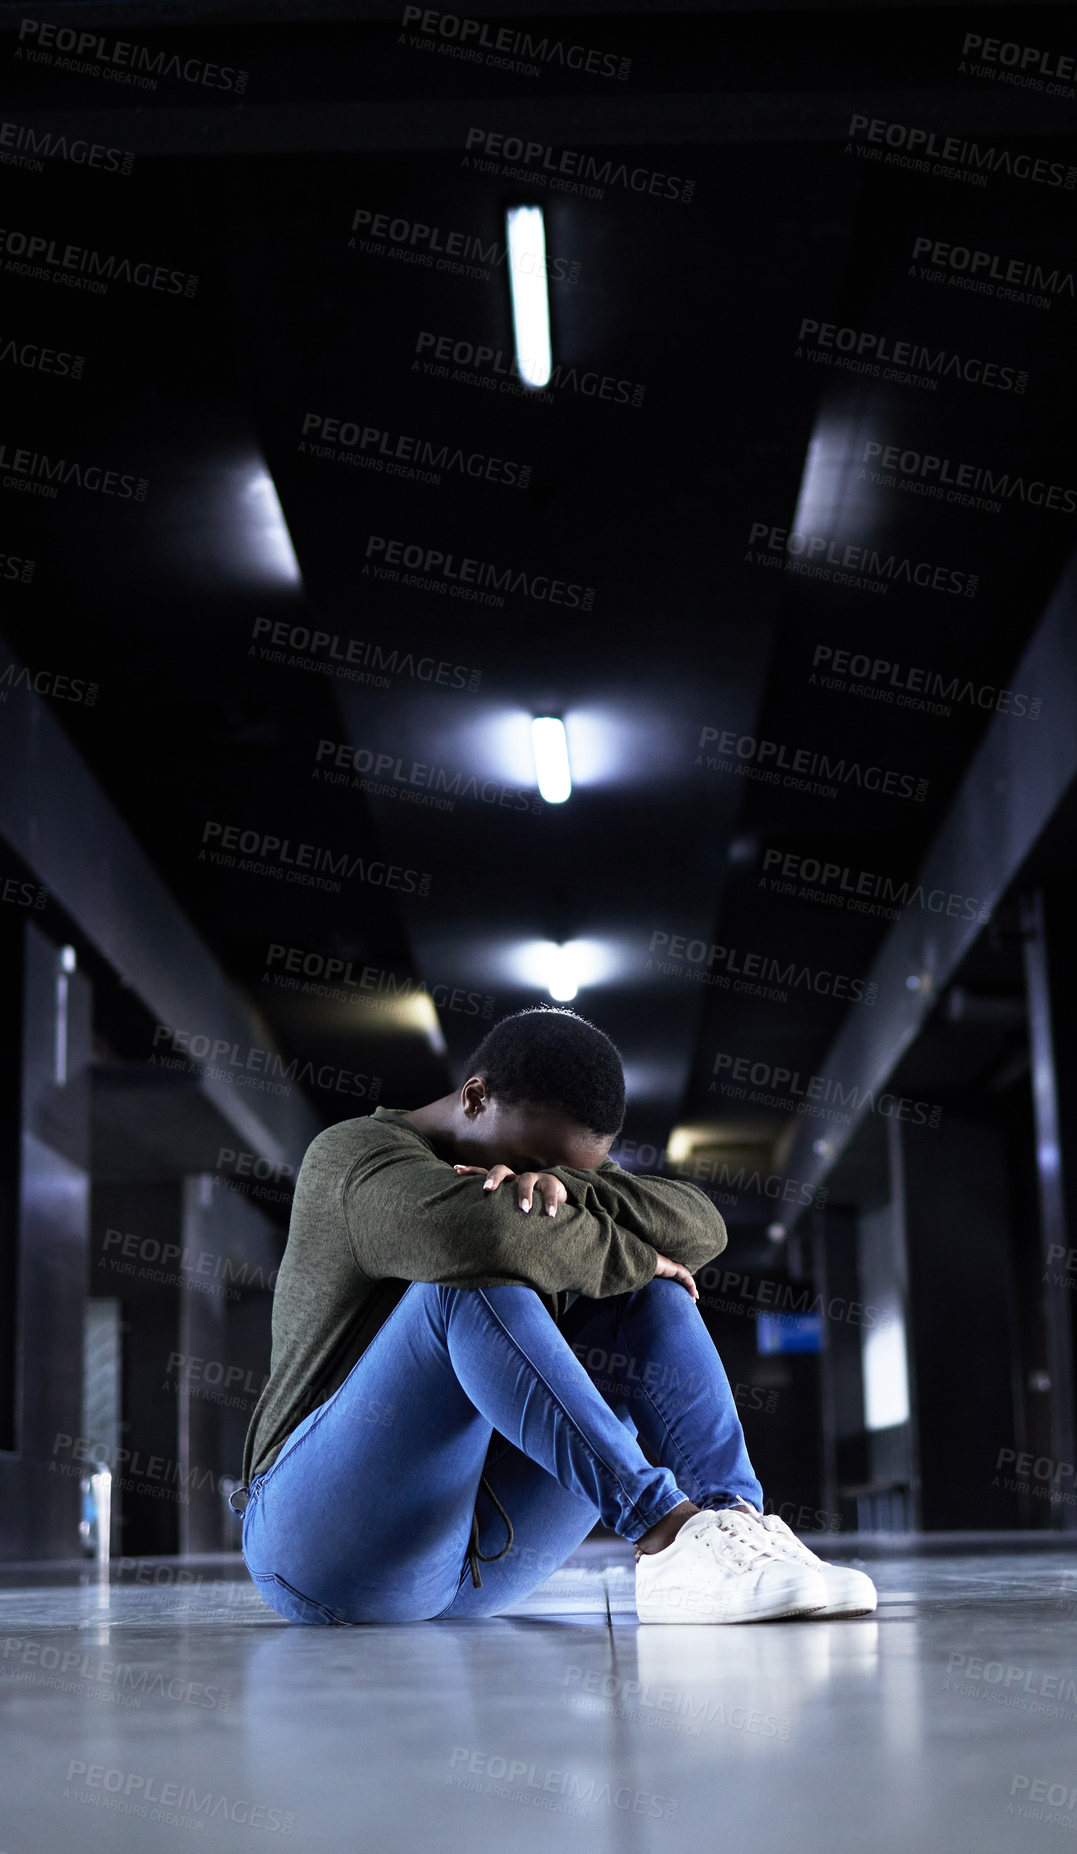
x=784, y=1541
x=738, y=1544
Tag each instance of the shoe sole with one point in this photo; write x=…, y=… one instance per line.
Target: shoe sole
x=777, y=1615
x=779, y=1609
x=828, y=1614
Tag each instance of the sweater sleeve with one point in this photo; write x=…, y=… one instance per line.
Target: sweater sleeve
x=676, y=1217
x=410, y=1217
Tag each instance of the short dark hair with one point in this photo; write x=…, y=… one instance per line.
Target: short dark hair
x=550, y=1056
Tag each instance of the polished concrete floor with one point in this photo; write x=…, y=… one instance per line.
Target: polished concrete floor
x=173, y=1705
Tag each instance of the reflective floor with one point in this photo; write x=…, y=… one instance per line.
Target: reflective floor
x=160, y=1709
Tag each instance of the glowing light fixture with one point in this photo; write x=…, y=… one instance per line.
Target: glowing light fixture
x=530, y=299
x=706, y=1137
x=562, y=977
x=886, y=1370
x=552, y=769
x=557, y=969
x=417, y=1011
x=679, y=1145
x=67, y=962
x=265, y=530
x=571, y=966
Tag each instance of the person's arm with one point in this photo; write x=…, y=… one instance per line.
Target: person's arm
x=410, y=1217
x=670, y=1213
x=672, y=1216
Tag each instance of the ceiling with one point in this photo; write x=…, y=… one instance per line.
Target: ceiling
x=667, y=509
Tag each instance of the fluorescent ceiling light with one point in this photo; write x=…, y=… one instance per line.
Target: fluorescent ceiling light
x=560, y=970
x=580, y=963
x=679, y=1145
x=530, y=299
x=562, y=974
x=886, y=1369
x=551, y=759
x=707, y=1140
x=265, y=530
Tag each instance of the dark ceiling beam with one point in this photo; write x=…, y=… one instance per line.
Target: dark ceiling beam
x=641, y=120
x=62, y=825
x=1014, y=783
x=156, y=15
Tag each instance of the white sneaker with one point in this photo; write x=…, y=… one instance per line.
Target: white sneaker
x=717, y=1569
x=848, y=1592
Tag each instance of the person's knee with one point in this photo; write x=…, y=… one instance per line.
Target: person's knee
x=665, y=1291
x=506, y=1294
x=511, y=1304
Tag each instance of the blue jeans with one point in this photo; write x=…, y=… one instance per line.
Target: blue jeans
x=366, y=1514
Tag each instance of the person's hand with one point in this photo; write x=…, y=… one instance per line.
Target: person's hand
x=529, y=1185
x=673, y=1271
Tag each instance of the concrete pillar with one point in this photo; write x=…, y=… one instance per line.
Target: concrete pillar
x=1051, y=987
x=45, y=1235
x=962, y=1321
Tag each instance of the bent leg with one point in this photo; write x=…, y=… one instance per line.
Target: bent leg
x=649, y=1353
x=365, y=1508
x=548, y=1524
x=368, y=1512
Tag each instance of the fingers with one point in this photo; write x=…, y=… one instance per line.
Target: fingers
x=541, y=1185
x=551, y=1192
x=675, y=1271
x=683, y=1275
x=494, y=1174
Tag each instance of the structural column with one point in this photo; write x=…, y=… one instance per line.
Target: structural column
x=1047, y=920
x=45, y=1234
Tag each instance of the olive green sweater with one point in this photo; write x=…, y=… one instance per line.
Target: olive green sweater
x=375, y=1208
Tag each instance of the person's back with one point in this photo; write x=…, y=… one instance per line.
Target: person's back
x=324, y=1309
